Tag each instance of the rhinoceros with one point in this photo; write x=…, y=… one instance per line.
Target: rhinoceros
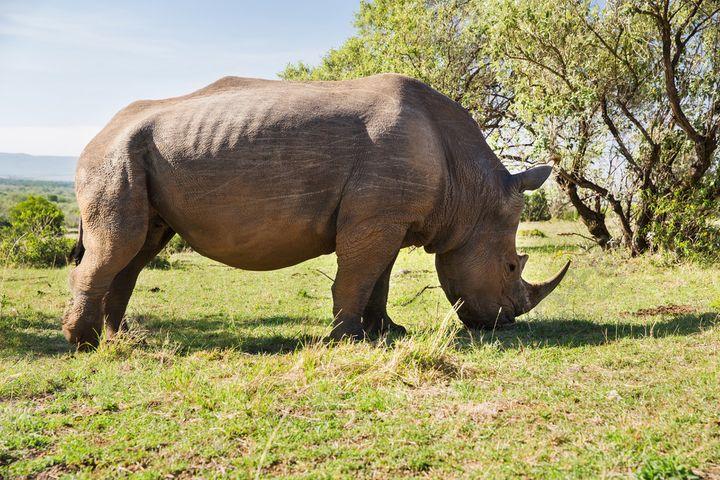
x=262, y=174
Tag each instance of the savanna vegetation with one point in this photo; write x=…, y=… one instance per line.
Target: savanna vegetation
x=223, y=374
x=34, y=234
x=62, y=194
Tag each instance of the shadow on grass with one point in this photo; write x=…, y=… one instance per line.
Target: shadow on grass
x=39, y=334
x=34, y=334
x=573, y=332
x=275, y=334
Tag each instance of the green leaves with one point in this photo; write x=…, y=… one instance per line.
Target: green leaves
x=442, y=43
x=37, y=214
x=35, y=235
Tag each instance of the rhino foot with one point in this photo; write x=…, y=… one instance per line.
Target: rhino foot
x=82, y=323
x=347, y=331
x=382, y=324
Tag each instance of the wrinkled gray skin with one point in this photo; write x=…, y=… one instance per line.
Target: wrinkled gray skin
x=262, y=175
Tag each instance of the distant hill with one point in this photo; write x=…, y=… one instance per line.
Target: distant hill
x=37, y=167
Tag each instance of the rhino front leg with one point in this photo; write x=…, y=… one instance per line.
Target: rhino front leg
x=376, y=320
x=364, y=253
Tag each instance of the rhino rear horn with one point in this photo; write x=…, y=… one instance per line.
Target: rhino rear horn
x=533, y=178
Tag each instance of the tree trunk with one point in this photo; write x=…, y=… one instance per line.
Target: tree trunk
x=646, y=213
x=593, y=220
x=640, y=243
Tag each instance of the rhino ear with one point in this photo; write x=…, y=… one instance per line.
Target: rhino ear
x=532, y=179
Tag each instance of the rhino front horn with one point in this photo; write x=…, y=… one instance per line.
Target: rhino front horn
x=537, y=291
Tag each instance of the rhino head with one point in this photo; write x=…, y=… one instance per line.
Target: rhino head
x=485, y=272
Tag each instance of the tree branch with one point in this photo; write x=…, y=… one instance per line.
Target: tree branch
x=616, y=134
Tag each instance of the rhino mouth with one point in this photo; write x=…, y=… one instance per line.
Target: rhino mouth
x=504, y=316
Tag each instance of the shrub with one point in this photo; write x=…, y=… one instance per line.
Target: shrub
x=37, y=214
x=35, y=250
x=34, y=235
x=536, y=207
x=664, y=469
x=685, y=227
x=177, y=245
x=532, y=233
x=160, y=262
x=568, y=214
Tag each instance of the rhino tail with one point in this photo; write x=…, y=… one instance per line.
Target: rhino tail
x=78, y=250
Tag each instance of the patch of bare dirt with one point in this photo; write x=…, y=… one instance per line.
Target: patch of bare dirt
x=54, y=472
x=671, y=309
x=709, y=472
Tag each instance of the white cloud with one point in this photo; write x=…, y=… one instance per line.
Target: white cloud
x=46, y=140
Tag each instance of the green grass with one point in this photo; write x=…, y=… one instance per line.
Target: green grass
x=223, y=375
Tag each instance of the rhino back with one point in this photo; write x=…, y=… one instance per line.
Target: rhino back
x=253, y=172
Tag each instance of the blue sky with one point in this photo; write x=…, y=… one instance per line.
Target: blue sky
x=67, y=66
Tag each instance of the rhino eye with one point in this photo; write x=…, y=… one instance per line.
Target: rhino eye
x=512, y=267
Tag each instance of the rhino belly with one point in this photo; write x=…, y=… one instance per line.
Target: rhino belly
x=249, y=215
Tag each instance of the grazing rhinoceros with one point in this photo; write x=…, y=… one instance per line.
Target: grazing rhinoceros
x=261, y=175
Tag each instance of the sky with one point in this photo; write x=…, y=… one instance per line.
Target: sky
x=66, y=67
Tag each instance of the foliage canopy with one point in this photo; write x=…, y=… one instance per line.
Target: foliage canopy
x=622, y=98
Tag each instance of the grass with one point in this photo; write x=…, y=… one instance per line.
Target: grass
x=223, y=375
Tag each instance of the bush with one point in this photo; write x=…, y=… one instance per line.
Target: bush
x=685, y=227
x=34, y=235
x=177, y=245
x=37, y=214
x=568, y=214
x=35, y=250
x=163, y=261
x=532, y=233
x=160, y=262
x=665, y=469
x=536, y=207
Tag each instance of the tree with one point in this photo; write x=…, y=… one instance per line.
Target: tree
x=536, y=207
x=639, y=76
x=623, y=99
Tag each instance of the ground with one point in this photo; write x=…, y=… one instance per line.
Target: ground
x=616, y=374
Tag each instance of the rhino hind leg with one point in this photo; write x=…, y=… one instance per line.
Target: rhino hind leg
x=375, y=319
x=116, y=300
x=114, y=211
x=84, y=319
x=364, y=254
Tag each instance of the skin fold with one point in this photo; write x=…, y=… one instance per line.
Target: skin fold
x=261, y=175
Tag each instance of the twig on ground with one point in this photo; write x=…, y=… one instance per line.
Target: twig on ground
x=586, y=249
x=426, y=287
x=325, y=275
